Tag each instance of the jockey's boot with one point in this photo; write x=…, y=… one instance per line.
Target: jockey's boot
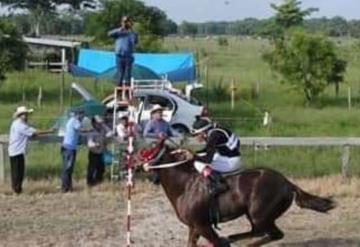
x=218, y=184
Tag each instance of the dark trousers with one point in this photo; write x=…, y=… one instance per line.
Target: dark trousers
x=96, y=168
x=17, y=164
x=68, y=157
x=124, y=67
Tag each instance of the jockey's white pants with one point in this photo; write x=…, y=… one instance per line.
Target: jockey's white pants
x=220, y=164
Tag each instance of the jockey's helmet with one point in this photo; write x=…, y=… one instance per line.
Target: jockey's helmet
x=201, y=124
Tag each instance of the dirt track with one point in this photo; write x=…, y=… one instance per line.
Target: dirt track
x=44, y=217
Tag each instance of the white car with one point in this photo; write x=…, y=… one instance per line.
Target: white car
x=180, y=111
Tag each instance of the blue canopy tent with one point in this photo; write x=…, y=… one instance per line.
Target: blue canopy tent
x=101, y=64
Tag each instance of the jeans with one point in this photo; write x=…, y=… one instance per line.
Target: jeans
x=124, y=67
x=68, y=157
x=96, y=168
x=17, y=166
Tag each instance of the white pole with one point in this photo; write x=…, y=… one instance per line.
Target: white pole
x=39, y=99
x=349, y=98
x=233, y=89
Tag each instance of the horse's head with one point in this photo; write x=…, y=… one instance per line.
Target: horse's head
x=162, y=153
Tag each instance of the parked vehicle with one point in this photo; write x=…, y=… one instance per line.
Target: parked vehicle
x=180, y=110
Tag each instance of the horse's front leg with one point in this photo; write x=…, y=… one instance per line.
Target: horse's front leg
x=208, y=232
x=193, y=237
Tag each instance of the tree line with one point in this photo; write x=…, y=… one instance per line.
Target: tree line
x=334, y=27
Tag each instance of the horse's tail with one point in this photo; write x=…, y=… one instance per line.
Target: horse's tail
x=306, y=200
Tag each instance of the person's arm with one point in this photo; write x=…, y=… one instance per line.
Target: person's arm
x=44, y=132
x=31, y=132
x=209, y=154
x=118, y=32
x=149, y=130
x=210, y=149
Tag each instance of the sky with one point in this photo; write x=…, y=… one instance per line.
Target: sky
x=217, y=10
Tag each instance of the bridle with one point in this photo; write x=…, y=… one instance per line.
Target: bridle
x=152, y=158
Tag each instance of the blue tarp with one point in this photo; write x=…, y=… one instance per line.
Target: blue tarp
x=101, y=64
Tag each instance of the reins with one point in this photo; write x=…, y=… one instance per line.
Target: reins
x=167, y=165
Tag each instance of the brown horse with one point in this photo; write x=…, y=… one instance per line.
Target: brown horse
x=262, y=195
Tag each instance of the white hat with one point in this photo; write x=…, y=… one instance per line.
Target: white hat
x=21, y=110
x=156, y=108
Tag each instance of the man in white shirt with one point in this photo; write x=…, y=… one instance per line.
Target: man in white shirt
x=20, y=132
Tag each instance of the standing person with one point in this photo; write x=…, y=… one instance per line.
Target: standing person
x=96, y=145
x=125, y=42
x=69, y=147
x=20, y=132
x=157, y=127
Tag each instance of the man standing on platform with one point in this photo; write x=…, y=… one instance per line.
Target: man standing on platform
x=125, y=41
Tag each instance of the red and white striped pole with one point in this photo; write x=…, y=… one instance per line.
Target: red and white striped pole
x=129, y=162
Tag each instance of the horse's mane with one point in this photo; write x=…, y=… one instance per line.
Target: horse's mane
x=186, y=167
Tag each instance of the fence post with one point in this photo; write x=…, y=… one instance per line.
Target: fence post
x=233, y=89
x=2, y=162
x=345, y=157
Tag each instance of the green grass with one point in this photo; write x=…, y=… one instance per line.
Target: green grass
x=241, y=61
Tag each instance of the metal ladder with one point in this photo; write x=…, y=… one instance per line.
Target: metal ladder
x=123, y=96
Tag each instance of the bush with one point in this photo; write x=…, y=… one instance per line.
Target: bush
x=12, y=49
x=222, y=41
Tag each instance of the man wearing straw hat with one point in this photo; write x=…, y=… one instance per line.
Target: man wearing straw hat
x=157, y=127
x=20, y=132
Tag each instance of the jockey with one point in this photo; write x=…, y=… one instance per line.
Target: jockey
x=220, y=155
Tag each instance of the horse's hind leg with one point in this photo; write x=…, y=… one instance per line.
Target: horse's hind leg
x=193, y=237
x=273, y=233
x=242, y=236
x=209, y=233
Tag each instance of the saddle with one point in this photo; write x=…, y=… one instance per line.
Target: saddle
x=232, y=173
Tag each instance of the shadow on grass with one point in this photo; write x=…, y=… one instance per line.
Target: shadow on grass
x=325, y=242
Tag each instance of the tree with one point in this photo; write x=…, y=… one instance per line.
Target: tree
x=308, y=62
x=170, y=27
x=40, y=9
x=148, y=22
x=188, y=28
x=305, y=60
x=12, y=48
x=289, y=14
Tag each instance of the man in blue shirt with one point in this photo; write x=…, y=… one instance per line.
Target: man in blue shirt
x=69, y=147
x=157, y=127
x=20, y=132
x=125, y=41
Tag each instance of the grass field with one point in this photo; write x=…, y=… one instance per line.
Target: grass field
x=257, y=89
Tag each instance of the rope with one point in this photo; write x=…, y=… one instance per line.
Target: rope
x=166, y=165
